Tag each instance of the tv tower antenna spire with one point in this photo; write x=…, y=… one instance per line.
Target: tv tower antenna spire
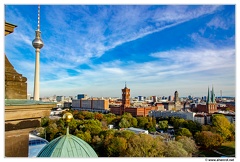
x=37, y=44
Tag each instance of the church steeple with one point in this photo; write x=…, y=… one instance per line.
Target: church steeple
x=208, y=97
x=211, y=105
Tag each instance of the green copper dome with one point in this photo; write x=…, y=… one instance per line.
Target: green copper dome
x=67, y=146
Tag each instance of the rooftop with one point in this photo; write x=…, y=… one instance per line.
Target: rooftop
x=67, y=146
x=15, y=102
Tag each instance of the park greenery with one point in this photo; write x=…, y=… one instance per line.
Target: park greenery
x=188, y=136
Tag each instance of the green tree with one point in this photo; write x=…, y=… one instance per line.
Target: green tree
x=116, y=121
x=109, y=118
x=88, y=115
x=222, y=125
x=44, y=121
x=86, y=136
x=184, y=132
x=125, y=134
x=206, y=127
x=105, y=136
x=109, y=115
x=232, y=129
x=133, y=122
x=79, y=116
x=142, y=121
x=124, y=123
x=163, y=125
x=150, y=127
x=178, y=123
x=116, y=147
x=96, y=144
x=127, y=115
x=188, y=144
x=208, y=139
x=153, y=121
x=144, y=145
x=175, y=149
x=93, y=126
x=107, y=133
x=51, y=131
x=192, y=126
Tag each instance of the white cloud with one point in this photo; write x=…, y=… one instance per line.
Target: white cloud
x=181, y=13
x=199, y=59
x=218, y=22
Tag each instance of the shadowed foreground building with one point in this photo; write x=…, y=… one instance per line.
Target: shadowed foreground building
x=21, y=115
x=15, y=83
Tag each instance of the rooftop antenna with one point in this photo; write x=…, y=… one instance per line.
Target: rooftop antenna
x=38, y=27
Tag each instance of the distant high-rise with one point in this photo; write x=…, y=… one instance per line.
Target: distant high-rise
x=37, y=44
x=177, y=103
x=154, y=98
x=176, y=98
x=221, y=94
x=80, y=96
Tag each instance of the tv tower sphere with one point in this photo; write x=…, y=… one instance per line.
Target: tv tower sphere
x=37, y=42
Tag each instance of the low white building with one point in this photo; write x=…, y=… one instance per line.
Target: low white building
x=137, y=130
x=180, y=114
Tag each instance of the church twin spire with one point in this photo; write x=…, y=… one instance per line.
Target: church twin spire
x=211, y=97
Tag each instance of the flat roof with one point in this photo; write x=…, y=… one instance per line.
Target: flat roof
x=15, y=102
x=136, y=129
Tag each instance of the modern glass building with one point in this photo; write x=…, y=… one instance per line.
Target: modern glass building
x=35, y=145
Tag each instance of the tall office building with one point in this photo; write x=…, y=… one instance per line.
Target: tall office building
x=81, y=96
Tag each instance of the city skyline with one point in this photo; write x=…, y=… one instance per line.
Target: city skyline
x=156, y=49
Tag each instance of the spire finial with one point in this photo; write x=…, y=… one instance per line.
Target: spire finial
x=125, y=84
x=68, y=118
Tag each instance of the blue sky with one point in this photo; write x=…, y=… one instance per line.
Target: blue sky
x=156, y=49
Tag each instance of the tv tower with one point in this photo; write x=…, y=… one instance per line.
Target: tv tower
x=37, y=44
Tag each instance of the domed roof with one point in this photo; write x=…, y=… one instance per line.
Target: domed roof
x=67, y=146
